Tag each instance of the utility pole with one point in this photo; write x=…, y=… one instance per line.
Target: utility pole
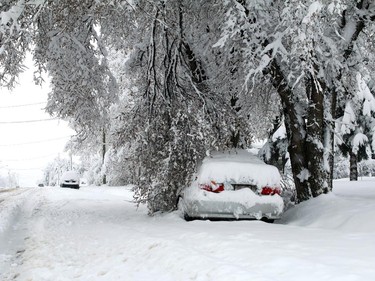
x=104, y=150
x=71, y=160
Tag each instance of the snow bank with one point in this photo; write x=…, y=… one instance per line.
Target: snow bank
x=97, y=234
x=349, y=208
x=9, y=208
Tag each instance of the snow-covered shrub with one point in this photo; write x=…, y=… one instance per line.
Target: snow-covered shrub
x=366, y=168
x=167, y=149
x=288, y=194
x=119, y=166
x=342, y=167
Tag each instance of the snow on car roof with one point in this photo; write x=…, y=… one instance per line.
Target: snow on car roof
x=238, y=166
x=70, y=175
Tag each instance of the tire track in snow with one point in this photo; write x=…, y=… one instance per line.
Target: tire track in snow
x=15, y=211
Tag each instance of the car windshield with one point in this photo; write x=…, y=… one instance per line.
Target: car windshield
x=71, y=175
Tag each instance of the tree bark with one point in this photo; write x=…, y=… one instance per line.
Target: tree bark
x=104, y=150
x=311, y=143
x=316, y=136
x=353, y=166
x=295, y=129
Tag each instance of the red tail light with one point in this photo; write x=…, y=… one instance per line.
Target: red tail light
x=270, y=190
x=212, y=187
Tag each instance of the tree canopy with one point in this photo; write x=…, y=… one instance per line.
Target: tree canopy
x=169, y=80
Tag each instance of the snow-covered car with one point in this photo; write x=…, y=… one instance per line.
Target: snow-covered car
x=233, y=185
x=70, y=179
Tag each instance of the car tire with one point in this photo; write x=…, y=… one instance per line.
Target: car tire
x=187, y=217
x=180, y=208
x=267, y=220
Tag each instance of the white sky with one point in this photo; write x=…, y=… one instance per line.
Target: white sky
x=27, y=148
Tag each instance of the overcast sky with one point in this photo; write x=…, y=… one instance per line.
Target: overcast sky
x=27, y=147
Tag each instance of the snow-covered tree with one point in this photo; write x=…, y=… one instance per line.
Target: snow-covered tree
x=356, y=128
x=54, y=170
x=303, y=48
x=16, y=31
x=275, y=150
x=185, y=96
x=174, y=115
x=64, y=38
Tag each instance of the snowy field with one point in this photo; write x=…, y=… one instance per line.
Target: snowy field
x=96, y=233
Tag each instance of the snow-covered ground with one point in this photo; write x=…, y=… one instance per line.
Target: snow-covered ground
x=96, y=233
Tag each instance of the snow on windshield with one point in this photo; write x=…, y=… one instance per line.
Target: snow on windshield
x=70, y=175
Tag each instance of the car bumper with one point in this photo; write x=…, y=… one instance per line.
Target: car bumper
x=76, y=186
x=229, y=210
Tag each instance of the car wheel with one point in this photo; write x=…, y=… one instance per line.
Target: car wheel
x=180, y=208
x=187, y=217
x=267, y=220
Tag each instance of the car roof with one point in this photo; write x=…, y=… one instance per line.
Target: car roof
x=237, y=166
x=70, y=175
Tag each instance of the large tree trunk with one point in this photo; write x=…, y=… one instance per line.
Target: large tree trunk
x=310, y=126
x=353, y=166
x=307, y=135
x=296, y=132
x=329, y=133
x=317, y=165
x=104, y=151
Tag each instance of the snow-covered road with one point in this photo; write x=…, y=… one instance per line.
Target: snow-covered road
x=98, y=234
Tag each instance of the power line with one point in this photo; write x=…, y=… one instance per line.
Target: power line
x=25, y=169
x=22, y=105
x=34, y=142
x=28, y=121
x=29, y=159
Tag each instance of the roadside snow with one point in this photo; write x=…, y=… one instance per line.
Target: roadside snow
x=9, y=208
x=96, y=233
x=349, y=208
